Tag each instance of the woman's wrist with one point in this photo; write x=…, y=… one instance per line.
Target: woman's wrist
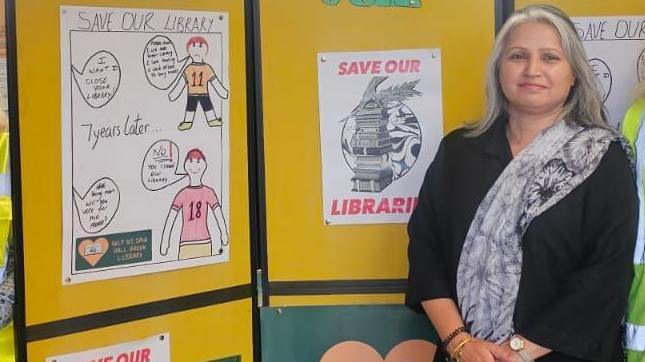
x=452, y=345
x=455, y=354
x=531, y=350
x=452, y=335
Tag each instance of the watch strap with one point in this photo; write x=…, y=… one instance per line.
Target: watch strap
x=525, y=356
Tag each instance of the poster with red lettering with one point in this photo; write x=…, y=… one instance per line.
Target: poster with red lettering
x=380, y=126
x=152, y=349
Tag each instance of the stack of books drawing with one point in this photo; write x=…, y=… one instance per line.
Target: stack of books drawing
x=372, y=145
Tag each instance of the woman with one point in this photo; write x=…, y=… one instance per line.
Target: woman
x=632, y=128
x=521, y=245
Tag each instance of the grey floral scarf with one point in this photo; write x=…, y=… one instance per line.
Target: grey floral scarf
x=488, y=275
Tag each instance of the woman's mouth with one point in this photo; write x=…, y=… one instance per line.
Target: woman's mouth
x=529, y=85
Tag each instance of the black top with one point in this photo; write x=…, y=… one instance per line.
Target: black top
x=577, y=255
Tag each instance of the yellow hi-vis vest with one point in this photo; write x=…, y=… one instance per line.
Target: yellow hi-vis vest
x=7, y=353
x=633, y=130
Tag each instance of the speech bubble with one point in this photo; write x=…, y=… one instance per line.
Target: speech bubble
x=99, y=80
x=640, y=67
x=160, y=167
x=603, y=76
x=161, y=62
x=97, y=207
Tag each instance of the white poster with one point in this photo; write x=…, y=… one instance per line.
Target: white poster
x=380, y=126
x=145, y=140
x=152, y=349
x=615, y=46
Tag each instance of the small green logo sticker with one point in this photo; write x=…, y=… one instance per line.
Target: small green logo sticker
x=103, y=251
x=382, y=3
x=228, y=359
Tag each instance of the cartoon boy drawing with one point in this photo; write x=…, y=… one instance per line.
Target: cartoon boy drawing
x=194, y=201
x=196, y=76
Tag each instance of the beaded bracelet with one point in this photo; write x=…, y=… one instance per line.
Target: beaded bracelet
x=452, y=336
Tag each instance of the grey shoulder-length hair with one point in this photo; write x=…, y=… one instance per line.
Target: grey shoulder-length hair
x=583, y=105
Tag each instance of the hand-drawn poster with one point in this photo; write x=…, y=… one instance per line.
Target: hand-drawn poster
x=615, y=46
x=380, y=125
x=145, y=132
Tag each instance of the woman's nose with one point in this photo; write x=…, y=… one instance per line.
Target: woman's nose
x=532, y=67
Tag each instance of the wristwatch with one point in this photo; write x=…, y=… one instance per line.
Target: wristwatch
x=517, y=344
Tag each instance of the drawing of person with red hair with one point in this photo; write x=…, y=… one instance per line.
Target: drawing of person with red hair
x=196, y=77
x=195, y=201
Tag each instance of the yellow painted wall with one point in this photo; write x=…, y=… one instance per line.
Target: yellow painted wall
x=40, y=142
x=196, y=335
x=300, y=247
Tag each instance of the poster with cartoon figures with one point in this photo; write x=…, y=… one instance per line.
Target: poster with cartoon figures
x=380, y=125
x=145, y=140
x=615, y=46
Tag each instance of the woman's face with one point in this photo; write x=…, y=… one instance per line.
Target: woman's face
x=535, y=75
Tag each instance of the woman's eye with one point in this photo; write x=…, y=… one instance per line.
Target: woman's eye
x=551, y=57
x=517, y=56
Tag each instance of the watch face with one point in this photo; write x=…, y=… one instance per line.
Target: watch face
x=516, y=343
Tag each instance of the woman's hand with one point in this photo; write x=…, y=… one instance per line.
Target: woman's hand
x=534, y=350
x=479, y=350
x=513, y=356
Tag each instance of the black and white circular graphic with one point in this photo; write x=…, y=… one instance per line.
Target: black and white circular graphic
x=405, y=134
x=640, y=66
x=603, y=76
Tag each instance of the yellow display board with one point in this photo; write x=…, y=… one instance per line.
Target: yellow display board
x=338, y=299
x=205, y=334
x=47, y=300
x=299, y=246
x=592, y=7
